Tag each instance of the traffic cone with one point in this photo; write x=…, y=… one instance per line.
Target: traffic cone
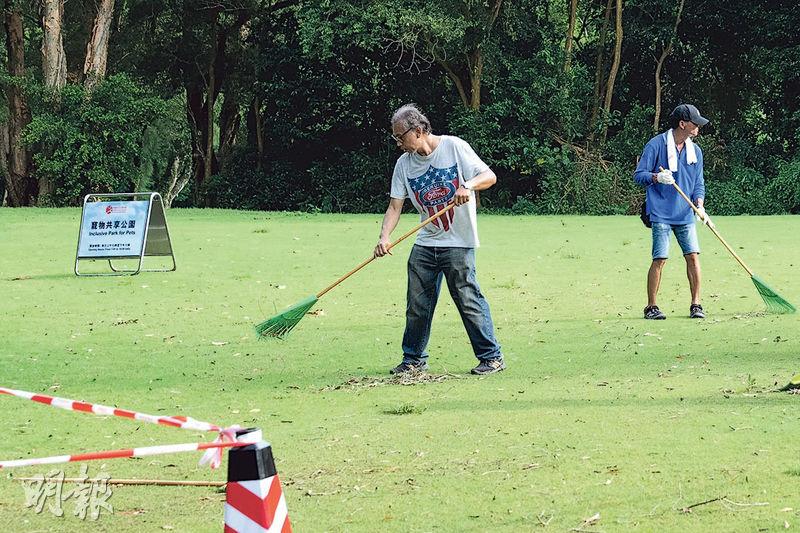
x=254, y=499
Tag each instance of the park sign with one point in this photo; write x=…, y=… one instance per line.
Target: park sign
x=113, y=229
x=122, y=226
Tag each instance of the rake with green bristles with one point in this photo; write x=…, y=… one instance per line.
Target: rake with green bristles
x=280, y=325
x=773, y=301
x=794, y=384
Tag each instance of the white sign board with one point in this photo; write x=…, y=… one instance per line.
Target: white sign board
x=113, y=229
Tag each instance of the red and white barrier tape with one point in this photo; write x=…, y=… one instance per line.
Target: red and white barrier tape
x=182, y=422
x=212, y=456
x=116, y=454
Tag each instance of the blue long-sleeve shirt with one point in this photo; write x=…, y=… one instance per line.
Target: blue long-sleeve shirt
x=664, y=204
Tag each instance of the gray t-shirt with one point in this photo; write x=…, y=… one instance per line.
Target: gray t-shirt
x=431, y=182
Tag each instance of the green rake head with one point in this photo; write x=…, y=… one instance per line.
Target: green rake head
x=793, y=384
x=773, y=301
x=280, y=325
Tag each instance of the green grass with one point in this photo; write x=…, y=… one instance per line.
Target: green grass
x=599, y=411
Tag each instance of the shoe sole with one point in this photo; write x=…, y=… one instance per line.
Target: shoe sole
x=495, y=371
x=415, y=371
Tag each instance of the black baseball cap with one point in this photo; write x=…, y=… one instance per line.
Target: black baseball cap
x=690, y=113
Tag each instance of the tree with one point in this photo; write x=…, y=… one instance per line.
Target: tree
x=21, y=189
x=612, y=75
x=599, y=76
x=454, y=35
x=462, y=57
x=94, y=67
x=573, y=10
x=54, y=59
x=660, y=63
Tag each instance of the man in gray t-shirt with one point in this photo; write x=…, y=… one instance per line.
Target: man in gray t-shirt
x=434, y=171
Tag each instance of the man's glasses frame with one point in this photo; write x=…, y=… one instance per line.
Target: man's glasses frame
x=399, y=138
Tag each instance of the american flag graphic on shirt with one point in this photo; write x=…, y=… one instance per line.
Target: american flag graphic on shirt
x=434, y=189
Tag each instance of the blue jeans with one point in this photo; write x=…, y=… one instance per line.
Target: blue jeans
x=686, y=234
x=426, y=268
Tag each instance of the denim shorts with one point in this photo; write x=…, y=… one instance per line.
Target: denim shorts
x=685, y=233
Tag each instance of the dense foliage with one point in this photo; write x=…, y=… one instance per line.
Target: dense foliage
x=300, y=93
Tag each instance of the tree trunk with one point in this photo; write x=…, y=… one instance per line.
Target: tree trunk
x=475, y=64
x=201, y=116
x=210, y=100
x=255, y=129
x=258, y=129
x=660, y=64
x=468, y=84
x=195, y=115
x=573, y=10
x=180, y=174
x=599, y=74
x=94, y=68
x=54, y=60
x=612, y=75
x=21, y=188
x=448, y=69
x=229, y=122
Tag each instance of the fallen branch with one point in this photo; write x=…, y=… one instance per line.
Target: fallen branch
x=689, y=508
x=592, y=520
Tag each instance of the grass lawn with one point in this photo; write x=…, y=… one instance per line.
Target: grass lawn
x=599, y=410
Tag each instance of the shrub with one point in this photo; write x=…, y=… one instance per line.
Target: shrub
x=115, y=139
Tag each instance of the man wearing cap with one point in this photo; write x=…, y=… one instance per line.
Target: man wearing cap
x=672, y=158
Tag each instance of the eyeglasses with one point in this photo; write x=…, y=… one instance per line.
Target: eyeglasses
x=399, y=138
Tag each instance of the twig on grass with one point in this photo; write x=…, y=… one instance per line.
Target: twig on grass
x=592, y=520
x=755, y=504
x=689, y=508
x=544, y=523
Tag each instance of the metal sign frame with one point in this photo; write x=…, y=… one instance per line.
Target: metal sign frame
x=156, y=243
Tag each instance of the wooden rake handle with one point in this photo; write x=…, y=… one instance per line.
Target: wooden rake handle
x=392, y=245
x=713, y=230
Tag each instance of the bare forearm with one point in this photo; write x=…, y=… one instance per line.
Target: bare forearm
x=391, y=218
x=482, y=181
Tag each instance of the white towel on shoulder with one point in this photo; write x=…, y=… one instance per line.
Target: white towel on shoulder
x=672, y=152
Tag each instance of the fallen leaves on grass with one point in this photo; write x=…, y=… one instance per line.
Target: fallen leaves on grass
x=310, y=492
x=367, y=382
x=405, y=408
x=132, y=512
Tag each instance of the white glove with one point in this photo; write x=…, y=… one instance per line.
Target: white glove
x=704, y=218
x=665, y=177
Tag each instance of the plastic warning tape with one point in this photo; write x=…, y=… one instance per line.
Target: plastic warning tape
x=182, y=422
x=116, y=454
